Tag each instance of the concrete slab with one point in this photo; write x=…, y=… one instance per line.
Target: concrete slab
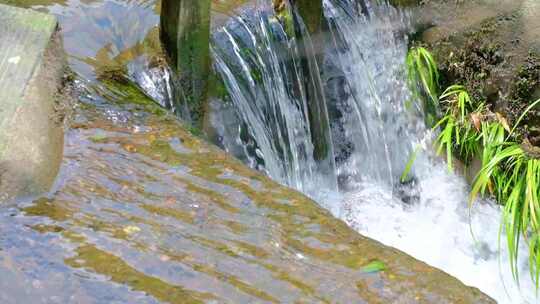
x=31, y=69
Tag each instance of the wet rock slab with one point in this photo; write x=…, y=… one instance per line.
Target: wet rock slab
x=31, y=138
x=144, y=212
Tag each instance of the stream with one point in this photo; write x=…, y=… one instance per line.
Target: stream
x=120, y=200
x=375, y=125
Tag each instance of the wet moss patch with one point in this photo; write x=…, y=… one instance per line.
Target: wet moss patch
x=94, y=259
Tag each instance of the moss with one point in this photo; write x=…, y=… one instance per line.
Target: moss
x=209, y=165
x=94, y=259
x=214, y=196
x=98, y=138
x=183, y=216
x=185, y=32
x=471, y=65
x=252, y=249
x=405, y=3
x=28, y=19
x=236, y=282
x=41, y=228
x=290, y=222
x=217, y=87
x=312, y=14
x=30, y=3
x=526, y=89
x=124, y=92
x=46, y=207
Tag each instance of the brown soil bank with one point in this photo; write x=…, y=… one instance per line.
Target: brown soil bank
x=493, y=48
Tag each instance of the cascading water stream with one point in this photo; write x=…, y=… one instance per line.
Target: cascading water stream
x=371, y=111
x=375, y=124
x=144, y=212
x=263, y=74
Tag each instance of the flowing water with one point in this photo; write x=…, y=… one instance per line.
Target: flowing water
x=144, y=212
x=262, y=72
x=220, y=224
x=375, y=125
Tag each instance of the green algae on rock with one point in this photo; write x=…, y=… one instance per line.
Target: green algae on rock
x=185, y=33
x=207, y=227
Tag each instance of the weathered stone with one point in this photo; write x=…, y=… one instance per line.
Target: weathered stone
x=155, y=212
x=31, y=69
x=185, y=33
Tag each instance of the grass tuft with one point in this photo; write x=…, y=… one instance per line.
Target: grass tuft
x=423, y=79
x=459, y=126
x=510, y=173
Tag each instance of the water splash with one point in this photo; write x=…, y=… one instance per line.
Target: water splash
x=429, y=217
x=375, y=125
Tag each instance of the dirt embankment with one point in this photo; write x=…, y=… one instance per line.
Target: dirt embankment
x=491, y=47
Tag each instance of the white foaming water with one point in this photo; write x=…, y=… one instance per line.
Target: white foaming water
x=440, y=231
x=434, y=225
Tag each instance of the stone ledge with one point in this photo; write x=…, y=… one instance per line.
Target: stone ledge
x=31, y=134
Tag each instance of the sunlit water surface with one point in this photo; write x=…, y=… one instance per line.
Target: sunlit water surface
x=366, y=71
x=375, y=125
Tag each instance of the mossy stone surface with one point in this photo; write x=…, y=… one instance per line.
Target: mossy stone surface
x=155, y=198
x=185, y=33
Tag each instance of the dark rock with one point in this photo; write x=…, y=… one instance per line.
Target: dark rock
x=185, y=33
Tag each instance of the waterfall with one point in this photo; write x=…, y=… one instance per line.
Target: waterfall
x=265, y=120
x=339, y=123
x=374, y=124
x=373, y=129
x=263, y=67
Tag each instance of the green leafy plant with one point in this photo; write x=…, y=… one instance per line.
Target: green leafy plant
x=516, y=177
x=374, y=266
x=408, y=166
x=423, y=79
x=459, y=125
x=510, y=172
x=512, y=176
